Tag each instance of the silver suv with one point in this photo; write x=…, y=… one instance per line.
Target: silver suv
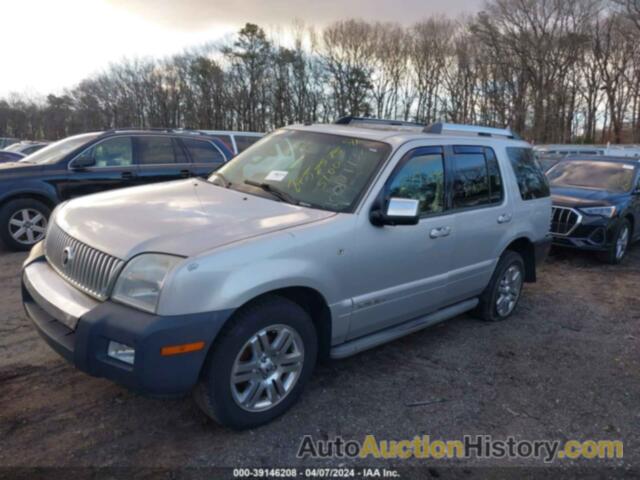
x=318, y=241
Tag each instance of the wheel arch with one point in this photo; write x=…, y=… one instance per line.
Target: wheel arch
x=316, y=306
x=39, y=195
x=526, y=249
x=629, y=217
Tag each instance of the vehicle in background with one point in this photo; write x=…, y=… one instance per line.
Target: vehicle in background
x=564, y=150
x=546, y=162
x=6, y=141
x=6, y=157
x=318, y=241
x=237, y=142
x=596, y=204
x=94, y=162
x=26, y=147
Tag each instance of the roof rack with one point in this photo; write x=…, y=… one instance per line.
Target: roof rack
x=471, y=129
x=350, y=120
x=155, y=129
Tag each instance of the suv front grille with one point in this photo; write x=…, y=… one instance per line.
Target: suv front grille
x=88, y=269
x=564, y=220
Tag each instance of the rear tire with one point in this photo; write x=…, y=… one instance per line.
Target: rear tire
x=248, y=347
x=23, y=223
x=500, y=299
x=620, y=244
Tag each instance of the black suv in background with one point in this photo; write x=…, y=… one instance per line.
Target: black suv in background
x=94, y=162
x=596, y=204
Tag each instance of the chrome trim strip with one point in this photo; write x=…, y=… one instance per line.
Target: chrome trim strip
x=91, y=271
x=566, y=211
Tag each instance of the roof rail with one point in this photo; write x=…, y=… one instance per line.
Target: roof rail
x=153, y=129
x=471, y=130
x=350, y=120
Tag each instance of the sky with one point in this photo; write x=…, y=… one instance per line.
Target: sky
x=51, y=44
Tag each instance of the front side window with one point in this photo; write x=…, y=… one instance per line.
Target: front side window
x=476, y=177
x=312, y=169
x=113, y=152
x=203, y=152
x=421, y=178
x=610, y=176
x=531, y=180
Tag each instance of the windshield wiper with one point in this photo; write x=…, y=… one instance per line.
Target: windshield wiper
x=274, y=191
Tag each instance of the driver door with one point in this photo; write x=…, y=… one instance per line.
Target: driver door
x=107, y=165
x=404, y=270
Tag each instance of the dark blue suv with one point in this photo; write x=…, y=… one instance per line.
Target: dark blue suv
x=91, y=163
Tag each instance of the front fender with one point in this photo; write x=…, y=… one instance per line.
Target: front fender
x=29, y=187
x=229, y=281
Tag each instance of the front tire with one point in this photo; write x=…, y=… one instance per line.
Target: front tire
x=259, y=365
x=620, y=244
x=500, y=299
x=23, y=223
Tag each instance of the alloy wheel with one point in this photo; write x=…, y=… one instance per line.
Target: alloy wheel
x=27, y=226
x=622, y=242
x=509, y=290
x=267, y=368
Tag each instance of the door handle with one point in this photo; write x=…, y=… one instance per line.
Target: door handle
x=185, y=173
x=440, y=232
x=127, y=175
x=504, y=218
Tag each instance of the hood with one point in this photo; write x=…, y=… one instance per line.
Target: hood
x=584, y=197
x=186, y=217
x=18, y=168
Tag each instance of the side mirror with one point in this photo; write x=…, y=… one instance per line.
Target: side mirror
x=82, y=162
x=399, y=211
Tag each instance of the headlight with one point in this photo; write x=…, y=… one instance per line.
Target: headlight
x=602, y=211
x=141, y=281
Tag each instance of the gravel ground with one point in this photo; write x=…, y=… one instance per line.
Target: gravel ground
x=565, y=366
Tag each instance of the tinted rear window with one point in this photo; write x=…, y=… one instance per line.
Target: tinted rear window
x=531, y=180
x=202, y=152
x=155, y=150
x=477, y=180
x=245, y=141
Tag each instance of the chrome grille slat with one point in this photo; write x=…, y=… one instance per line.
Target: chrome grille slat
x=90, y=270
x=564, y=220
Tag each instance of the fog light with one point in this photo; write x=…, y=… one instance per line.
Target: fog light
x=121, y=352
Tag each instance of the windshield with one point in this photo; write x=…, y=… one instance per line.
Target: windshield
x=56, y=151
x=610, y=176
x=307, y=168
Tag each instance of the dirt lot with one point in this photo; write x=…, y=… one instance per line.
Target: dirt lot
x=567, y=365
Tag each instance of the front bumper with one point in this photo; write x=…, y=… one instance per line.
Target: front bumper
x=593, y=233
x=80, y=329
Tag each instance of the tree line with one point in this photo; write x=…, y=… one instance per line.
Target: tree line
x=556, y=71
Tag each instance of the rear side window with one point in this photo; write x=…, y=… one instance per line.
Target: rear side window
x=476, y=177
x=226, y=139
x=245, y=141
x=156, y=150
x=531, y=180
x=202, y=152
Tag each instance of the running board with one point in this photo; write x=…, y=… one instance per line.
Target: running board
x=364, y=343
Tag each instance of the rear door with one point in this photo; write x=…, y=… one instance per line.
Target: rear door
x=160, y=158
x=483, y=217
x=205, y=156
